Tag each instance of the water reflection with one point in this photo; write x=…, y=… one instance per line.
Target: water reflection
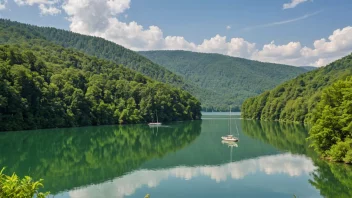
x=186, y=159
x=331, y=179
x=229, y=143
x=283, y=136
x=83, y=156
x=288, y=164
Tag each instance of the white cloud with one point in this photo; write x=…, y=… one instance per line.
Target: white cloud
x=100, y=18
x=216, y=44
x=338, y=43
x=285, y=54
x=3, y=4
x=322, y=62
x=290, y=50
x=32, y=2
x=293, y=4
x=48, y=10
x=97, y=17
x=288, y=164
x=283, y=22
x=236, y=47
x=325, y=51
x=46, y=7
x=228, y=27
x=178, y=42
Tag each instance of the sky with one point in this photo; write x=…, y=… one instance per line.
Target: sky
x=294, y=32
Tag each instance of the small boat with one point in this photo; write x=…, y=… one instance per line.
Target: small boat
x=157, y=123
x=229, y=138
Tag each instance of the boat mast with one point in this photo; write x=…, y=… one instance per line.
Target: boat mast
x=156, y=113
x=230, y=121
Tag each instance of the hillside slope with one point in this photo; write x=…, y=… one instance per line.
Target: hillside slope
x=232, y=79
x=309, y=68
x=43, y=85
x=14, y=32
x=296, y=99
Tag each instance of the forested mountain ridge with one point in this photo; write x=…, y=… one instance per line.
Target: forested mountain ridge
x=322, y=98
x=309, y=68
x=296, y=99
x=43, y=85
x=14, y=32
x=216, y=98
x=231, y=79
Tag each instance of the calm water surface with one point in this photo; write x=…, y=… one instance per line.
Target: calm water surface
x=183, y=159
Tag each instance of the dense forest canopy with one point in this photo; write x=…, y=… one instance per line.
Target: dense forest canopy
x=43, y=86
x=230, y=80
x=331, y=133
x=218, y=81
x=15, y=32
x=322, y=98
x=296, y=99
x=309, y=68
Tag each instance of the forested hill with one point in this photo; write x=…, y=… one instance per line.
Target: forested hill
x=232, y=79
x=15, y=32
x=296, y=100
x=43, y=85
x=309, y=68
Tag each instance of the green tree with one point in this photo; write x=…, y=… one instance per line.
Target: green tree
x=14, y=187
x=331, y=133
x=72, y=89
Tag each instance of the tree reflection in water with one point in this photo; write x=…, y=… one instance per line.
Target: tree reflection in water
x=331, y=179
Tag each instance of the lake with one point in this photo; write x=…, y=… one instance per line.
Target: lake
x=181, y=159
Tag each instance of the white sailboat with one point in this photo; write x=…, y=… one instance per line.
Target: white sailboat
x=230, y=137
x=157, y=123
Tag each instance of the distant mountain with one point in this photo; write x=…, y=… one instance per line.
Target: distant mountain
x=14, y=32
x=309, y=68
x=44, y=85
x=296, y=99
x=231, y=79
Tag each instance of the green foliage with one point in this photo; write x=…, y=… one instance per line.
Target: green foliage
x=283, y=136
x=332, y=130
x=339, y=151
x=323, y=98
x=228, y=80
x=17, y=33
x=14, y=187
x=309, y=68
x=70, y=158
x=332, y=179
x=44, y=86
x=208, y=78
x=296, y=99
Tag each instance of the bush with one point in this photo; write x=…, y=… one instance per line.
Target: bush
x=332, y=131
x=348, y=157
x=339, y=151
x=14, y=187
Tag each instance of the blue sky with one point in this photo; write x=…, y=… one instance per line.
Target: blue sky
x=202, y=25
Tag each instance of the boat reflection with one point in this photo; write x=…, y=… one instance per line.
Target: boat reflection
x=230, y=143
